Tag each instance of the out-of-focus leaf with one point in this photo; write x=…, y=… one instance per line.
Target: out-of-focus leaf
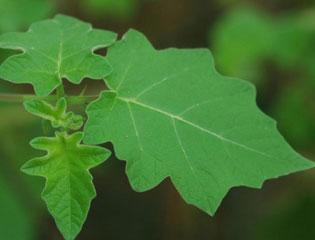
x=293, y=41
x=245, y=37
x=18, y=14
x=241, y=41
x=15, y=221
x=113, y=8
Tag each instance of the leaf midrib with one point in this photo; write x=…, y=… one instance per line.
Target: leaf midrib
x=183, y=120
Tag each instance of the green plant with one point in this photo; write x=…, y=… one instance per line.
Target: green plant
x=167, y=112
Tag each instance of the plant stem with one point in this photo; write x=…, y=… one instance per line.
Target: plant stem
x=60, y=91
x=20, y=98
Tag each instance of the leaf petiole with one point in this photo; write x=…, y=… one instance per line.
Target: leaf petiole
x=60, y=91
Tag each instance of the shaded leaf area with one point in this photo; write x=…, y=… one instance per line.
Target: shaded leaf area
x=5, y=53
x=54, y=49
x=170, y=114
x=69, y=189
x=252, y=32
x=18, y=194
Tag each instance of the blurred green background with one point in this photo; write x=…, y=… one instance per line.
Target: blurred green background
x=268, y=42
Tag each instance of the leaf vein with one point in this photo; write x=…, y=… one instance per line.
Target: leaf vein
x=200, y=128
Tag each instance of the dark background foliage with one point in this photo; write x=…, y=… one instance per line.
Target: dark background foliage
x=268, y=42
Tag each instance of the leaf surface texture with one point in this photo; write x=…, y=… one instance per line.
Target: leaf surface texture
x=69, y=189
x=170, y=114
x=54, y=49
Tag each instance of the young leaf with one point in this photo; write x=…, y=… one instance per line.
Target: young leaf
x=54, y=49
x=57, y=115
x=69, y=189
x=170, y=114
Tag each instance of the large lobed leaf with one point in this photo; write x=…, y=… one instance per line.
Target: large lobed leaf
x=69, y=189
x=54, y=49
x=170, y=114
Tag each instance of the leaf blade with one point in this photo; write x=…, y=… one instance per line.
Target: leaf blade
x=179, y=118
x=69, y=189
x=57, y=115
x=65, y=50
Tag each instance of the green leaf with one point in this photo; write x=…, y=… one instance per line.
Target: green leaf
x=170, y=114
x=57, y=115
x=54, y=49
x=69, y=189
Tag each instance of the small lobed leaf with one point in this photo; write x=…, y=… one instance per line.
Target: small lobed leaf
x=54, y=49
x=57, y=115
x=69, y=188
x=170, y=114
